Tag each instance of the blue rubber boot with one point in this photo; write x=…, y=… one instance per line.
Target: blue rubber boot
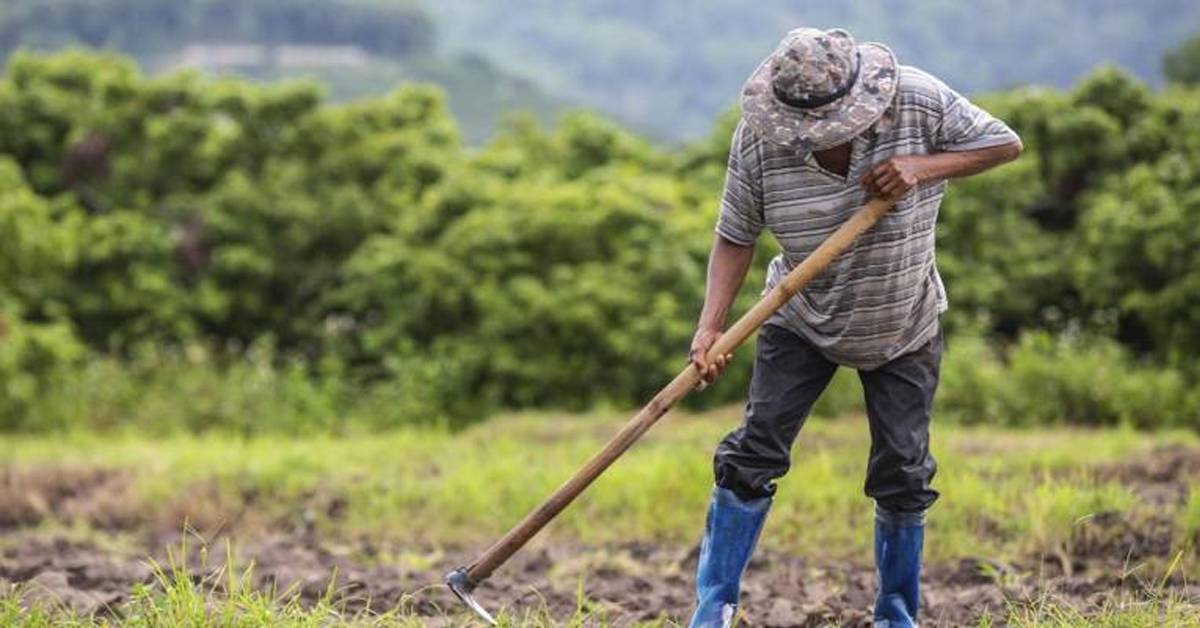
x=730, y=533
x=899, y=538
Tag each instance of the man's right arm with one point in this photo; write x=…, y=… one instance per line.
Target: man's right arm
x=728, y=264
x=738, y=225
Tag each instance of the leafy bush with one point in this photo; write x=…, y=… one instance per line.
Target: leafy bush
x=1141, y=257
x=1066, y=379
x=198, y=390
x=575, y=291
x=354, y=265
x=35, y=361
x=1044, y=379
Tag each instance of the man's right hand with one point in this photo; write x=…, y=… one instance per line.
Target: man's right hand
x=701, y=343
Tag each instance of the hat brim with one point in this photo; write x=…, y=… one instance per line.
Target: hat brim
x=830, y=125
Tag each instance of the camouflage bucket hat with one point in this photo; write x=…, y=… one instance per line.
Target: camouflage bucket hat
x=819, y=89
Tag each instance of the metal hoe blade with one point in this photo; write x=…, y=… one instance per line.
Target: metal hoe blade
x=460, y=583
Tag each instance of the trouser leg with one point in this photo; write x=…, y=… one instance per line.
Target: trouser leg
x=788, y=377
x=899, y=397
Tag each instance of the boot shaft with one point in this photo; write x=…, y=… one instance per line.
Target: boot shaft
x=899, y=542
x=731, y=531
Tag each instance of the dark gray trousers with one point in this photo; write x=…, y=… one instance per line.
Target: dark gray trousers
x=789, y=375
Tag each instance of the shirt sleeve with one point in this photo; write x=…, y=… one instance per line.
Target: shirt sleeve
x=964, y=126
x=741, y=218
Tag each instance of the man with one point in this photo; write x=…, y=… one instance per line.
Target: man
x=826, y=124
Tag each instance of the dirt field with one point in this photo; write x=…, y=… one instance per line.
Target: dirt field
x=1104, y=562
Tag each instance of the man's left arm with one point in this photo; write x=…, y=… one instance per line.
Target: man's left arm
x=895, y=177
x=964, y=138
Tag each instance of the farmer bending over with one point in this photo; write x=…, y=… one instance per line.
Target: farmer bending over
x=826, y=125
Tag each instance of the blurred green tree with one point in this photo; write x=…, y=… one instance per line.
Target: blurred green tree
x=1182, y=63
x=363, y=243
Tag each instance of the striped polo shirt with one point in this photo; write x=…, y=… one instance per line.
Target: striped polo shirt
x=883, y=296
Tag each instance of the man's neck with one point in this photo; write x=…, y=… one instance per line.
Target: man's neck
x=835, y=160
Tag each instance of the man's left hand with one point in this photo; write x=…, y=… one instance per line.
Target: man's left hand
x=893, y=178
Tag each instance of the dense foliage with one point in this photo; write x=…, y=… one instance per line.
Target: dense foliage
x=239, y=248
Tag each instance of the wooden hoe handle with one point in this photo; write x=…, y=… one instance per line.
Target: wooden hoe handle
x=679, y=387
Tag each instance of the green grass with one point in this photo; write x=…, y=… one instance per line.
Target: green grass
x=1188, y=518
x=428, y=486
x=178, y=602
x=223, y=599
x=1006, y=495
x=1156, y=612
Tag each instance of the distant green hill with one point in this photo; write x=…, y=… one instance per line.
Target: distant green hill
x=665, y=68
x=671, y=65
x=382, y=42
x=146, y=27
x=478, y=93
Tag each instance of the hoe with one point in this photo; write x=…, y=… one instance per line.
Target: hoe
x=462, y=581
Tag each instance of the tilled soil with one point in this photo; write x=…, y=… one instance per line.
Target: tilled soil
x=625, y=583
